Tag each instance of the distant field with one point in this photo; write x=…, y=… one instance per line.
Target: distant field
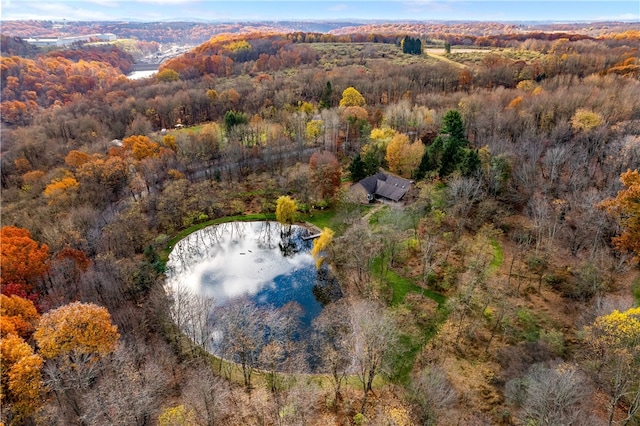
x=469, y=55
x=454, y=50
x=342, y=54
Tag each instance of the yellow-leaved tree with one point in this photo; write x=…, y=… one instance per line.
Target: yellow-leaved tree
x=613, y=343
x=77, y=330
x=74, y=340
x=403, y=157
x=177, y=416
x=585, y=120
x=380, y=137
x=314, y=130
x=20, y=378
x=320, y=244
x=61, y=190
x=351, y=97
x=286, y=210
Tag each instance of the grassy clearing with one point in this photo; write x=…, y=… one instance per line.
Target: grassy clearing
x=412, y=344
x=635, y=290
x=498, y=256
x=342, y=54
x=405, y=361
x=475, y=56
x=331, y=218
x=401, y=286
x=450, y=59
x=320, y=218
x=195, y=129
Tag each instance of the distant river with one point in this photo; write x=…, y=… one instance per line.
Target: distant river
x=135, y=75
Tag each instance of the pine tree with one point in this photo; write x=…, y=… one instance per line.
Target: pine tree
x=452, y=125
x=327, y=93
x=357, y=169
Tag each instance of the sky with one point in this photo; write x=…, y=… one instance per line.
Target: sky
x=252, y=10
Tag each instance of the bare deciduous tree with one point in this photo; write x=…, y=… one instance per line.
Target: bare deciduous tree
x=431, y=391
x=552, y=395
x=207, y=393
x=334, y=345
x=375, y=338
x=191, y=313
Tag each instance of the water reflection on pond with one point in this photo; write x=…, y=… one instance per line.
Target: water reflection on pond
x=264, y=261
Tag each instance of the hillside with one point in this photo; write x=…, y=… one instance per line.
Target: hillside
x=502, y=288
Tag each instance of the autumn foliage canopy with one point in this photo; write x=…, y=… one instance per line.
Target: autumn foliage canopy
x=626, y=208
x=76, y=329
x=22, y=259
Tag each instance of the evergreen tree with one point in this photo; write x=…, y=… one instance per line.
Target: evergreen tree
x=357, y=169
x=325, y=98
x=417, y=47
x=452, y=156
x=426, y=165
x=372, y=161
x=450, y=151
x=471, y=162
x=452, y=125
x=412, y=46
x=233, y=118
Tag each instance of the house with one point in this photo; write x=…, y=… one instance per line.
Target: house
x=382, y=186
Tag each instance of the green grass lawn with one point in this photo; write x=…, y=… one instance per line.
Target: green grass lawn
x=411, y=345
x=402, y=286
x=330, y=218
x=320, y=218
x=498, y=256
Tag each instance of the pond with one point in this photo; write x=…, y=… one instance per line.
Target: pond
x=265, y=262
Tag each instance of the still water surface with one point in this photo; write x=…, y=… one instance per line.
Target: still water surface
x=258, y=260
x=136, y=75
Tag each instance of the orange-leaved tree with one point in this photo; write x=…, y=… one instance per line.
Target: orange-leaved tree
x=20, y=377
x=76, y=331
x=19, y=315
x=22, y=260
x=626, y=209
x=325, y=173
x=141, y=147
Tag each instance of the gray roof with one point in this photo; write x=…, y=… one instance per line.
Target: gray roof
x=386, y=186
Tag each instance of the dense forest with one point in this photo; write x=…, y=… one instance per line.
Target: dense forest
x=503, y=289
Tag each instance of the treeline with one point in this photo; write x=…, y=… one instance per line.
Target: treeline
x=218, y=56
x=15, y=46
x=56, y=78
x=501, y=157
x=162, y=32
x=602, y=30
x=53, y=78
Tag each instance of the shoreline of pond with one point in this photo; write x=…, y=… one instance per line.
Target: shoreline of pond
x=257, y=217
